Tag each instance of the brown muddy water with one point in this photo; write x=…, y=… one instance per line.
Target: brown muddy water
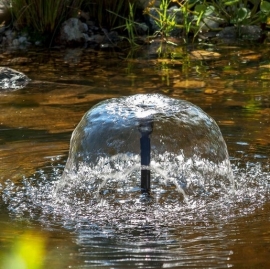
x=230, y=83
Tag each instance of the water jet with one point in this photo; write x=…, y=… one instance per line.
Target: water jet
x=112, y=142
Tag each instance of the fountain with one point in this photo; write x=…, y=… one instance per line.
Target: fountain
x=187, y=148
x=147, y=182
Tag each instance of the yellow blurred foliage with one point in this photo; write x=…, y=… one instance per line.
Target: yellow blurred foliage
x=27, y=252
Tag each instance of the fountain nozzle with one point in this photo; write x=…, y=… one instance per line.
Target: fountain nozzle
x=145, y=128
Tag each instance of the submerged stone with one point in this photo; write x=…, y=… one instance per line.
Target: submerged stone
x=11, y=79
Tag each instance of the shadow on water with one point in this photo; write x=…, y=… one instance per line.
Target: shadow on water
x=219, y=231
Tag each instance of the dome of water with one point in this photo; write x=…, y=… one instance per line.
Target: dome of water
x=187, y=147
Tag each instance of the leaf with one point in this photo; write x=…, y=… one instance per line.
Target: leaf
x=200, y=8
x=265, y=7
x=242, y=13
x=231, y=2
x=209, y=11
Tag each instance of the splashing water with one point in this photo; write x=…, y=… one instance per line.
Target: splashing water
x=106, y=201
x=99, y=189
x=112, y=127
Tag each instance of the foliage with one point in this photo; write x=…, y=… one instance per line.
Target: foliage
x=165, y=21
x=107, y=12
x=27, y=252
x=196, y=12
x=192, y=12
x=43, y=16
x=129, y=25
x=242, y=12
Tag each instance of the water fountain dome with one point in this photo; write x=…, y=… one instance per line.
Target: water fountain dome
x=186, y=143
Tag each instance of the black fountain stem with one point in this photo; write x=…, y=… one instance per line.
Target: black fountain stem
x=145, y=128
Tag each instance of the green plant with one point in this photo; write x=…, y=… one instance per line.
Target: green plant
x=195, y=13
x=202, y=12
x=242, y=12
x=163, y=19
x=129, y=25
x=192, y=12
x=43, y=16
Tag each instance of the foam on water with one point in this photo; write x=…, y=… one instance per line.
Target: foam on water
x=112, y=203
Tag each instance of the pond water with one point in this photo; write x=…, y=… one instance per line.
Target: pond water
x=229, y=82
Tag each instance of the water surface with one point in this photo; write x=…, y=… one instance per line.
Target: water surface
x=230, y=83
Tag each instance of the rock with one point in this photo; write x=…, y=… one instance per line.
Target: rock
x=111, y=38
x=153, y=13
x=14, y=39
x=38, y=43
x=11, y=79
x=15, y=42
x=229, y=32
x=189, y=84
x=209, y=23
x=210, y=91
x=84, y=27
x=73, y=32
x=96, y=38
x=9, y=36
x=142, y=28
x=248, y=32
x=204, y=55
x=22, y=39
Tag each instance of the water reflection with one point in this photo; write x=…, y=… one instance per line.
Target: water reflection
x=36, y=124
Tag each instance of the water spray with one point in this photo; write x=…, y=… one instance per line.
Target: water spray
x=145, y=128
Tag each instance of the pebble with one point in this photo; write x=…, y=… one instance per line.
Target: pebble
x=210, y=91
x=190, y=84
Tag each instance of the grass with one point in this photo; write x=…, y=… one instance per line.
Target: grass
x=42, y=17
x=109, y=13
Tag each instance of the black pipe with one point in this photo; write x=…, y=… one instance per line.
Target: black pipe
x=145, y=128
